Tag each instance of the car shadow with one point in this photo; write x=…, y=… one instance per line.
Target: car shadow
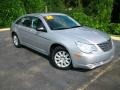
x=36, y=52
x=48, y=58
x=80, y=69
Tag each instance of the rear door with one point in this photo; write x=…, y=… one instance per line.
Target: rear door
x=26, y=31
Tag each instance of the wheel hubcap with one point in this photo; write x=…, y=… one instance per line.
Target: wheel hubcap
x=15, y=40
x=62, y=59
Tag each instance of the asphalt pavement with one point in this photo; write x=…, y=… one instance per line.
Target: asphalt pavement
x=25, y=69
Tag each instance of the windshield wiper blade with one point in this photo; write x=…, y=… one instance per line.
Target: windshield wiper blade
x=61, y=28
x=75, y=26
x=66, y=28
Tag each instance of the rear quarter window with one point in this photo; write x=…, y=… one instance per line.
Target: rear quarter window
x=18, y=21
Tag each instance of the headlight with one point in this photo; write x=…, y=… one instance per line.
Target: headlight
x=86, y=48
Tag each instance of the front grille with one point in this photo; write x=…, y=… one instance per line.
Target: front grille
x=106, y=46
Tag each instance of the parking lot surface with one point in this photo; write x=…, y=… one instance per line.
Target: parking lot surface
x=109, y=80
x=25, y=69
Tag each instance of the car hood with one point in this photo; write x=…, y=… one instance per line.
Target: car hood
x=86, y=34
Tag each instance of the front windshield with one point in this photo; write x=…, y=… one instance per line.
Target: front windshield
x=60, y=22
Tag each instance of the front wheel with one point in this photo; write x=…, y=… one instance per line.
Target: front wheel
x=61, y=58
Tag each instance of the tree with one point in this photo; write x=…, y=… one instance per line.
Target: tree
x=55, y=5
x=116, y=12
x=9, y=11
x=34, y=6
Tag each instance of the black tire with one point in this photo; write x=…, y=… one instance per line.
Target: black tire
x=14, y=36
x=53, y=61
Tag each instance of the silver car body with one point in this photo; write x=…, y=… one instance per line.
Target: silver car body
x=42, y=42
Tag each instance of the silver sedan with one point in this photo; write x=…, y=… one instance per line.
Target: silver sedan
x=63, y=39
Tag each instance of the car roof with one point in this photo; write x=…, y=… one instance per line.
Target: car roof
x=43, y=14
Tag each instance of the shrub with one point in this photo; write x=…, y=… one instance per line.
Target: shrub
x=97, y=15
x=114, y=29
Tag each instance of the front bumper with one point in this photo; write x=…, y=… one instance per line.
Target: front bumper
x=96, y=64
x=90, y=61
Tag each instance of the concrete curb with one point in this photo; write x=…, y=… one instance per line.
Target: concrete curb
x=113, y=37
x=4, y=29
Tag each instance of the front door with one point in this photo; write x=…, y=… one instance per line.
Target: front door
x=41, y=40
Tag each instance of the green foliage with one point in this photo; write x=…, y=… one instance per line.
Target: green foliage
x=34, y=6
x=55, y=5
x=92, y=13
x=98, y=14
x=9, y=11
x=114, y=29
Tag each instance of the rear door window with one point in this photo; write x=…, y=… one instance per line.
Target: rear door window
x=25, y=21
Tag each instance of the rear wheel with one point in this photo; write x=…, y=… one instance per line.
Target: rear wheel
x=61, y=58
x=16, y=41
